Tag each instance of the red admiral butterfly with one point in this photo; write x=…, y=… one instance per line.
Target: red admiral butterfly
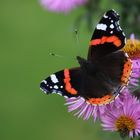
x=104, y=73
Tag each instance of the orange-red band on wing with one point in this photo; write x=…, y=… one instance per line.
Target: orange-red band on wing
x=98, y=101
x=68, y=86
x=126, y=71
x=105, y=39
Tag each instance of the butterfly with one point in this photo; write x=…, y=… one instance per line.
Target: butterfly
x=102, y=76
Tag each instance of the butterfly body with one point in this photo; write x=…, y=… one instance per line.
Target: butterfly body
x=105, y=72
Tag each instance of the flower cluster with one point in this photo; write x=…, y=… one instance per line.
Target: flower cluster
x=132, y=48
x=92, y=7
x=123, y=119
x=122, y=115
x=61, y=5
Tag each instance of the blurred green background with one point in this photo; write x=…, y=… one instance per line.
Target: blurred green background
x=27, y=34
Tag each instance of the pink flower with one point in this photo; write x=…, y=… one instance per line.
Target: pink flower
x=86, y=110
x=135, y=76
x=132, y=48
x=61, y=5
x=124, y=119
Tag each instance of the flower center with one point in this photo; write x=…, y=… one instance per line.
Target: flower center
x=132, y=48
x=125, y=124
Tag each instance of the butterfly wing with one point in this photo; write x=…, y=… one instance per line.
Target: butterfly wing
x=103, y=80
x=107, y=37
x=65, y=82
x=97, y=83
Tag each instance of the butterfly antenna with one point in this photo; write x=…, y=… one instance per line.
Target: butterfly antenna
x=60, y=56
x=78, y=44
x=53, y=54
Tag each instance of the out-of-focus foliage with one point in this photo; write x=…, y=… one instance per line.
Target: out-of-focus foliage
x=128, y=10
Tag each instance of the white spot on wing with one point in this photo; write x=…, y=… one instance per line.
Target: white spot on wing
x=55, y=87
x=111, y=101
x=122, y=89
x=53, y=78
x=105, y=16
x=66, y=97
x=111, y=26
x=101, y=26
x=59, y=93
x=44, y=81
x=43, y=90
x=116, y=96
x=126, y=55
x=125, y=40
x=120, y=28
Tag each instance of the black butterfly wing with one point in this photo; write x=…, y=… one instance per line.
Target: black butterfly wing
x=108, y=36
x=103, y=80
x=100, y=81
x=65, y=82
